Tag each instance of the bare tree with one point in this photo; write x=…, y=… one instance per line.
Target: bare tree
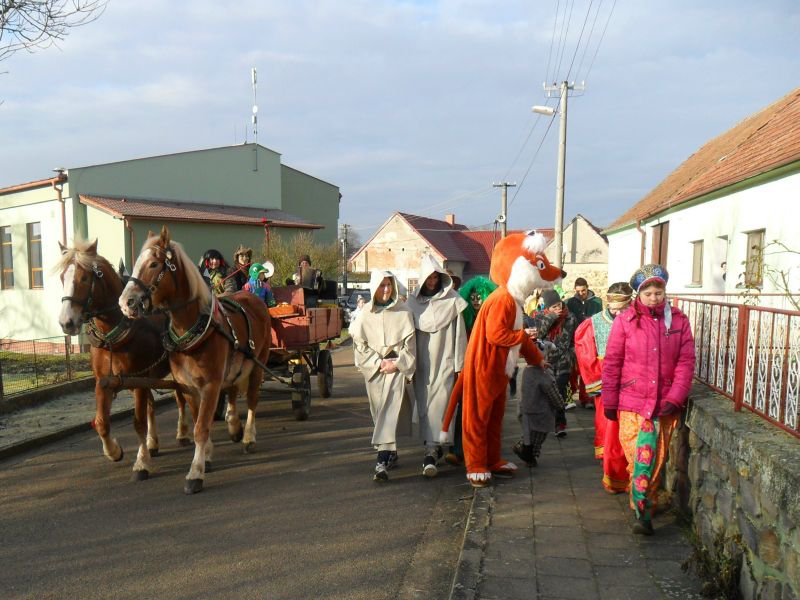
x=35, y=24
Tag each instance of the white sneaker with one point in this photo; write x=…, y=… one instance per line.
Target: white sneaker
x=429, y=467
x=570, y=405
x=380, y=473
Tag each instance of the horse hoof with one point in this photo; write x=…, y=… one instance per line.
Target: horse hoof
x=153, y=451
x=249, y=447
x=140, y=475
x=193, y=486
x=121, y=455
x=237, y=437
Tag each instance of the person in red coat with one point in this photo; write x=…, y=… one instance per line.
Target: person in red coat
x=591, y=339
x=647, y=375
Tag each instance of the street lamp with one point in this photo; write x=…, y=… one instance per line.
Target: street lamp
x=562, y=162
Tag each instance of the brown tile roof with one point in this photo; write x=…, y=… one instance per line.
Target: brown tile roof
x=762, y=142
x=140, y=208
x=439, y=234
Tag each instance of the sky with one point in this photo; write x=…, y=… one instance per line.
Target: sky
x=414, y=106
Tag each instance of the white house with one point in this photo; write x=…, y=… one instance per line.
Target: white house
x=727, y=221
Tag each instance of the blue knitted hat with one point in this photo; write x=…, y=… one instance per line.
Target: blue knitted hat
x=648, y=274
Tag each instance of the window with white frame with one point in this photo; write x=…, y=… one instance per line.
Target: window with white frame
x=412, y=284
x=6, y=259
x=697, y=262
x=754, y=263
x=35, y=255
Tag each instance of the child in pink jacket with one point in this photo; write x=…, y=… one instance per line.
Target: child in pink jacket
x=647, y=375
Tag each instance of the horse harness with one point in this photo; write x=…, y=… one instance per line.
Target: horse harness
x=118, y=334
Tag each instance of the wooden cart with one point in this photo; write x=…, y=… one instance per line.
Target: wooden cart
x=297, y=332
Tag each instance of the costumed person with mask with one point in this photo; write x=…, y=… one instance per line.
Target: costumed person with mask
x=309, y=279
x=647, y=375
x=242, y=259
x=215, y=271
x=384, y=347
x=258, y=283
x=441, y=344
x=591, y=339
x=475, y=291
x=518, y=267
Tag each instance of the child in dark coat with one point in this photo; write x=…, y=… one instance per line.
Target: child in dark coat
x=540, y=402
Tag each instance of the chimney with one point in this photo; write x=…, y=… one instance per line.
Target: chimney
x=450, y=219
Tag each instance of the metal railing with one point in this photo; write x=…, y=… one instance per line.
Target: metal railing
x=26, y=365
x=750, y=354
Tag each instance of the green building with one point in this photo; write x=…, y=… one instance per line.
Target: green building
x=214, y=198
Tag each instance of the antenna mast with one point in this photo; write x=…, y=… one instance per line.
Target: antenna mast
x=254, y=77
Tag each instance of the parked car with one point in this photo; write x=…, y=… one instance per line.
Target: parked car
x=351, y=303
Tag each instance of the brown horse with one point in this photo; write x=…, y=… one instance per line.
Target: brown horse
x=119, y=347
x=214, y=343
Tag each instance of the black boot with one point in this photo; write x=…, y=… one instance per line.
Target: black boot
x=525, y=452
x=642, y=526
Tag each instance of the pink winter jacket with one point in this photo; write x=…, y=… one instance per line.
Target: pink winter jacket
x=646, y=365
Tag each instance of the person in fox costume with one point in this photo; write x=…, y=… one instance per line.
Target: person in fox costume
x=518, y=267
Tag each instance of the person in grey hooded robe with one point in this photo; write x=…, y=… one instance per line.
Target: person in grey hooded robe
x=441, y=344
x=384, y=346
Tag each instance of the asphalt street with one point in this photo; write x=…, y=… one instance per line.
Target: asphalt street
x=299, y=518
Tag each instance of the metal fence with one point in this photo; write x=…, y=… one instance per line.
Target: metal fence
x=751, y=354
x=26, y=365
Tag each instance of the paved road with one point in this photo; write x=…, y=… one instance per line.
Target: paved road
x=300, y=518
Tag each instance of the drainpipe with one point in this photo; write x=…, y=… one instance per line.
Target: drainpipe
x=58, y=185
x=644, y=239
x=132, y=238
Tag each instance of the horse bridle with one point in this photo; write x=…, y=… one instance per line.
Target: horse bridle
x=149, y=290
x=85, y=305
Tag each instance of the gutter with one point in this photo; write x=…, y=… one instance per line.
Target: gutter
x=132, y=238
x=58, y=185
x=644, y=239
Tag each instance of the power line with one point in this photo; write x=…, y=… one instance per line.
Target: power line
x=580, y=37
x=589, y=39
x=603, y=35
x=552, y=42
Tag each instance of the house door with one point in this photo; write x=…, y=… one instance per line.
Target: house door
x=660, y=243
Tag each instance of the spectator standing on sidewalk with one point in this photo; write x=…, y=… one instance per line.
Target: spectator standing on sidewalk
x=591, y=339
x=647, y=376
x=540, y=402
x=556, y=324
x=584, y=304
x=441, y=344
x=384, y=346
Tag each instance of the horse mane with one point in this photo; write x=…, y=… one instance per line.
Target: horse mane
x=80, y=255
x=197, y=285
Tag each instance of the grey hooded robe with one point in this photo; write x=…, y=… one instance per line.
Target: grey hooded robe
x=376, y=333
x=441, y=344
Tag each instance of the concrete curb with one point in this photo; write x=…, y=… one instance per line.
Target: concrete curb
x=47, y=438
x=43, y=394
x=467, y=575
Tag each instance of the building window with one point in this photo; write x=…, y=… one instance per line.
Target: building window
x=6, y=259
x=697, y=262
x=35, y=255
x=754, y=265
x=412, y=285
x=660, y=243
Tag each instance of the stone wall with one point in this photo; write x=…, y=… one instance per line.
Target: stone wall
x=738, y=478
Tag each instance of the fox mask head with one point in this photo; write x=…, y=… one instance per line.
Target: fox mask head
x=519, y=264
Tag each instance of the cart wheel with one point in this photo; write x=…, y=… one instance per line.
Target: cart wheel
x=325, y=373
x=301, y=392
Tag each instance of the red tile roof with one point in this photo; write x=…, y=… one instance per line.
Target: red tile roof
x=762, y=142
x=139, y=208
x=439, y=234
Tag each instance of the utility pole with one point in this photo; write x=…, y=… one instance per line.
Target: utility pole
x=345, y=228
x=502, y=218
x=563, y=89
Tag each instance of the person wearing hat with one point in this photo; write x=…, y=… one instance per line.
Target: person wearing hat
x=242, y=259
x=591, y=339
x=647, y=376
x=309, y=279
x=215, y=271
x=556, y=324
x=258, y=283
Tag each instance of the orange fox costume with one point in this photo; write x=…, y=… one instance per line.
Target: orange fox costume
x=518, y=267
